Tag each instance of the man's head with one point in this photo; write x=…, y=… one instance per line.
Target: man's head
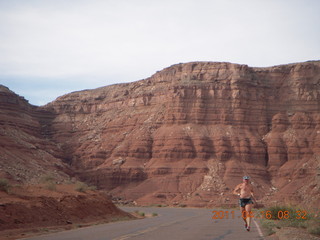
x=246, y=179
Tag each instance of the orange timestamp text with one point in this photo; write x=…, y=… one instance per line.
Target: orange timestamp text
x=300, y=214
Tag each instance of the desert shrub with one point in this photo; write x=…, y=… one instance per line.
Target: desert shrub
x=92, y=188
x=51, y=186
x=47, y=178
x=81, y=187
x=142, y=214
x=154, y=214
x=4, y=185
x=182, y=205
x=49, y=181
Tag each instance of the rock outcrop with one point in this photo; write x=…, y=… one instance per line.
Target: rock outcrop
x=187, y=134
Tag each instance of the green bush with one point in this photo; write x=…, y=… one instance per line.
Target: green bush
x=142, y=214
x=154, y=214
x=4, y=185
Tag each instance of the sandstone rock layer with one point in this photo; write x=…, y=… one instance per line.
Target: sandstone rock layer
x=190, y=132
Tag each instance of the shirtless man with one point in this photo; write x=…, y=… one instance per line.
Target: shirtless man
x=245, y=201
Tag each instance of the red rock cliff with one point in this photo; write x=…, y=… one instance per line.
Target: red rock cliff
x=190, y=132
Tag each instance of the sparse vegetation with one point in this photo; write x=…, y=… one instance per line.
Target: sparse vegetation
x=160, y=205
x=268, y=226
x=276, y=212
x=142, y=214
x=182, y=205
x=92, y=188
x=47, y=178
x=154, y=214
x=314, y=230
x=288, y=216
x=69, y=181
x=117, y=219
x=4, y=185
x=51, y=186
x=49, y=181
x=83, y=187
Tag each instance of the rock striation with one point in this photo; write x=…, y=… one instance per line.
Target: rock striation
x=27, y=150
x=187, y=134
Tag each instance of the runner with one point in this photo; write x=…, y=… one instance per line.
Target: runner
x=245, y=201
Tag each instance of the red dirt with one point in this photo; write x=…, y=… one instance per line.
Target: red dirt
x=30, y=208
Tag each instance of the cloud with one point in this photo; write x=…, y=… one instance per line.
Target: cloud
x=130, y=40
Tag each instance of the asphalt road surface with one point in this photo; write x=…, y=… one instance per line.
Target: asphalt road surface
x=170, y=224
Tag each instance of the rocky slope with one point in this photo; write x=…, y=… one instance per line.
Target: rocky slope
x=27, y=150
x=190, y=132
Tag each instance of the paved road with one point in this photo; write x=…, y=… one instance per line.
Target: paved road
x=170, y=224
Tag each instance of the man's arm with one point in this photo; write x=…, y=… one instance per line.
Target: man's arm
x=254, y=199
x=235, y=191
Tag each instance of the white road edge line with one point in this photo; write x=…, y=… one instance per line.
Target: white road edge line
x=259, y=230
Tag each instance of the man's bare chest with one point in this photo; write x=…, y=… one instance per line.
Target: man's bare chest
x=245, y=188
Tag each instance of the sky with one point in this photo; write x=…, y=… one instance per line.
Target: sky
x=49, y=48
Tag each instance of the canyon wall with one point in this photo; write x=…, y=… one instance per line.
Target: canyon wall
x=188, y=134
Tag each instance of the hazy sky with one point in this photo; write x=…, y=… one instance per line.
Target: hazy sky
x=52, y=47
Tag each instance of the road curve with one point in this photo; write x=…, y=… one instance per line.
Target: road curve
x=170, y=224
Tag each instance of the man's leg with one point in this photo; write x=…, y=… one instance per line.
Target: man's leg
x=248, y=209
x=243, y=214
